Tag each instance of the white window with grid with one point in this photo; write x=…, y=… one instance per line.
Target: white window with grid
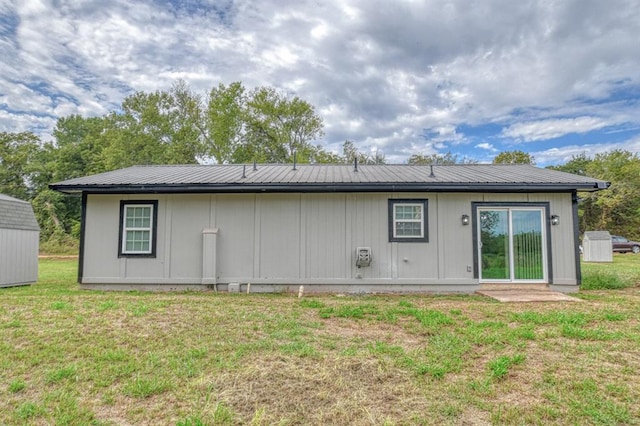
x=408, y=221
x=137, y=229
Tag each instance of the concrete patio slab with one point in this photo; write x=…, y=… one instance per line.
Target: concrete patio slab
x=527, y=295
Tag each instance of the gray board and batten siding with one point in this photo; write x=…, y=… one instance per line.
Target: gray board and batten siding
x=19, y=242
x=278, y=227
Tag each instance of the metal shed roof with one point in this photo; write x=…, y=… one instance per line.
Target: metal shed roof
x=17, y=214
x=597, y=235
x=329, y=178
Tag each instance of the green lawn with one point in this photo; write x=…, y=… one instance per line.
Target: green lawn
x=85, y=357
x=623, y=272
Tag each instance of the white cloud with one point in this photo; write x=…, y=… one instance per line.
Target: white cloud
x=27, y=123
x=550, y=129
x=399, y=76
x=565, y=153
x=487, y=147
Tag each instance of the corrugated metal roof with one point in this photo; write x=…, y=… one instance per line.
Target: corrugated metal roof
x=17, y=214
x=323, y=177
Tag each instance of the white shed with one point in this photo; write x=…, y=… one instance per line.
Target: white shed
x=597, y=246
x=19, y=237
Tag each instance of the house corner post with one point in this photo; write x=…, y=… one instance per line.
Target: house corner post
x=83, y=230
x=576, y=236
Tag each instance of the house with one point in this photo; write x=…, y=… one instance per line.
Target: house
x=19, y=239
x=336, y=228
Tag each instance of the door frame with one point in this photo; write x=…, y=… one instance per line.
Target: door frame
x=544, y=205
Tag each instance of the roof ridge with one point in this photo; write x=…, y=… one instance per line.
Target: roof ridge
x=330, y=164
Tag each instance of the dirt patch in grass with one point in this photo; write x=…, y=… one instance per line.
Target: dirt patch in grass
x=321, y=391
x=114, y=414
x=393, y=334
x=473, y=416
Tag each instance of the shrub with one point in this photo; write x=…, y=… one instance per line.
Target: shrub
x=60, y=244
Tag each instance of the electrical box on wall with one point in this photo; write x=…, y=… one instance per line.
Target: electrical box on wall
x=363, y=256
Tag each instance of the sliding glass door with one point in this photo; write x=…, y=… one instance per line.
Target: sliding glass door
x=512, y=244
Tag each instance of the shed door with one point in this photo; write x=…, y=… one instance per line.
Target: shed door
x=512, y=244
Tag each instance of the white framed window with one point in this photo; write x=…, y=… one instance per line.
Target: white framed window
x=138, y=228
x=408, y=220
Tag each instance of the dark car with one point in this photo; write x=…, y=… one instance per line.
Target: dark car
x=623, y=245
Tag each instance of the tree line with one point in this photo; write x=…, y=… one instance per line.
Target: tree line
x=616, y=209
x=230, y=124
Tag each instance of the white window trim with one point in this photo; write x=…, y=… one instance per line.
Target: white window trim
x=125, y=229
x=424, y=220
x=420, y=221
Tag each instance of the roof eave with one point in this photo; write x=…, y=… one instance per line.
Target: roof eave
x=333, y=187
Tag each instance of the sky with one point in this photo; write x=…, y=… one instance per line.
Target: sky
x=473, y=78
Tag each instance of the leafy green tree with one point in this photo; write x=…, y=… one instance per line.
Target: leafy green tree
x=578, y=165
x=184, y=143
x=616, y=209
x=221, y=122
x=17, y=153
x=175, y=126
x=79, y=143
x=350, y=152
x=76, y=151
x=154, y=128
x=514, y=157
x=439, y=159
x=58, y=216
x=26, y=168
x=322, y=156
x=277, y=126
